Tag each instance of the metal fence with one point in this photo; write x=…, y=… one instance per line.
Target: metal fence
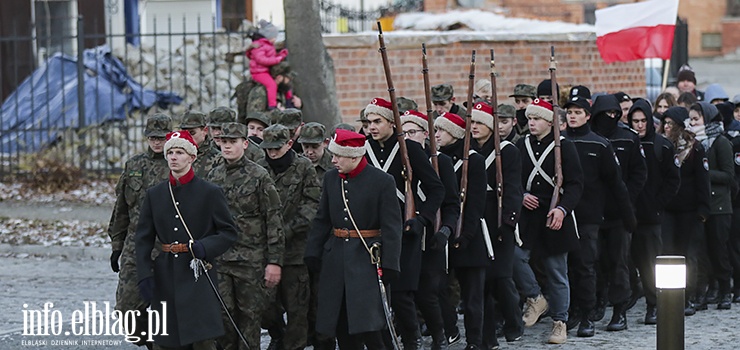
x=337, y=18
x=71, y=118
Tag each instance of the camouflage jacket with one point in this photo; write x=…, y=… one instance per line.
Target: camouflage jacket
x=255, y=206
x=141, y=172
x=252, y=96
x=209, y=157
x=254, y=152
x=299, y=191
x=323, y=166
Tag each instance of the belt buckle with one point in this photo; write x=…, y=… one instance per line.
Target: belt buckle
x=173, y=247
x=347, y=231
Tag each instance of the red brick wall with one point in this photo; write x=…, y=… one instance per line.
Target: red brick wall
x=359, y=71
x=730, y=35
x=436, y=5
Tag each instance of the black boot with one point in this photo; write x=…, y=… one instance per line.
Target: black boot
x=439, y=341
x=651, y=315
x=325, y=344
x=725, y=302
x=713, y=293
x=619, y=318
x=276, y=338
x=411, y=340
x=586, y=328
x=700, y=303
x=689, y=309
x=736, y=299
x=597, y=314
x=574, y=318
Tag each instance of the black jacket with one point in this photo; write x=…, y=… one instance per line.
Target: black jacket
x=693, y=194
x=664, y=176
x=434, y=260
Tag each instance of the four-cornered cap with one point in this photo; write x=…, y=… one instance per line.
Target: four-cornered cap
x=406, y=104
x=622, y=97
x=158, y=125
x=380, y=107
x=580, y=102
x=181, y=139
x=275, y=136
x=290, y=117
x=193, y=119
x=452, y=123
x=524, y=90
x=347, y=143
x=282, y=68
x=482, y=113
x=258, y=116
x=233, y=131
x=363, y=118
x=312, y=132
x=506, y=111
x=344, y=126
x=416, y=117
x=220, y=115
x=544, y=88
x=540, y=109
x=442, y=92
x=580, y=90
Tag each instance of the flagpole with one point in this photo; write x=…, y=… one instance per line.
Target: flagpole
x=666, y=65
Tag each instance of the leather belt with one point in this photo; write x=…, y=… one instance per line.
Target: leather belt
x=175, y=248
x=347, y=233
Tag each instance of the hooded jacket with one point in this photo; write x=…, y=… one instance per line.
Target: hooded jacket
x=720, y=165
x=663, y=177
x=262, y=56
x=713, y=92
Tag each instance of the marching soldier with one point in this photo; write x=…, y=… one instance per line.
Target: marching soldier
x=406, y=104
x=507, y=123
x=292, y=119
x=296, y=182
x=383, y=153
x=434, y=256
x=251, y=270
x=256, y=123
x=194, y=122
x=523, y=96
x=313, y=140
x=544, y=91
x=216, y=118
x=358, y=217
x=499, y=280
x=443, y=98
x=141, y=172
x=467, y=251
x=364, y=124
x=550, y=243
x=192, y=220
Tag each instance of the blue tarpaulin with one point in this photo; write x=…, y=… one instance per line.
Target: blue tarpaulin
x=47, y=101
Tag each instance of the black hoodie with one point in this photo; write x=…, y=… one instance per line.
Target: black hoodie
x=663, y=173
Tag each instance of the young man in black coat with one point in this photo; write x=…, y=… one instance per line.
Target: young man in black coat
x=548, y=243
x=434, y=254
x=467, y=252
x=383, y=152
x=661, y=186
x=614, y=238
x=358, y=208
x=191, y=218
x=499, y=282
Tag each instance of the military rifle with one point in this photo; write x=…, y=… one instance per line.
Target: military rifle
x=410, y=209
x=466, y=148
x=497, y=143
x=556, y=134
x=430, y=120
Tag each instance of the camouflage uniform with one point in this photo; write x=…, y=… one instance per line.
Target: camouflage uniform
x=141, y=172
x=255, y=205
x=217, y=117
x=405, y=104
x=209, y=156
x=299, y=191
x=252, y=96
x=445, y=92
x=509, y=111
x=523, y=90
x=292, y=119
x=316, y=133
x=254, y=152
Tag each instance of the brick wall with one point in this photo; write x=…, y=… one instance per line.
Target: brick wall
x=730, y=35
x=436, y=5
x=702, y=17
x=359, y=71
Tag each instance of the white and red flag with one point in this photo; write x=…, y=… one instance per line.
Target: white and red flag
x=635, y=31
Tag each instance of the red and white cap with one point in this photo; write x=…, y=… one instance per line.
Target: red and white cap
x=416, y=117
x=347, y=143
x=380, y=107
x=452, y=123
x=541, y=109
x=181, y=139
x=482, y=113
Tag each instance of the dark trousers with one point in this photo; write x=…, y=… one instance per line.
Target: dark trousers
x=472, y=286
x=614, y=251
x=582, y=268
x=734, y=248
x=427, y=299
x=646, y=245
x=718, y=236
x=501, y=292
x=682, y=234
x=371, y=340
x=447, y=302
x=404, y=309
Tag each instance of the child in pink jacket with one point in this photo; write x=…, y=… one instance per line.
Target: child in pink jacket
x=262, y=56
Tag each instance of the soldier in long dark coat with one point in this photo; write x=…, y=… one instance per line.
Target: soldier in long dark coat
x=192, y=220
x=354, y=197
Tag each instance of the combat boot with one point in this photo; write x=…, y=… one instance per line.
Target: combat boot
x=276, y=338
x=619, y=318
x=411, y=340
x=439, y=341
x=586, y=328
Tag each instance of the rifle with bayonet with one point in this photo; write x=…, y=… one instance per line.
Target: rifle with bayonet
x=497, y=144
x=556, y=134
x=430, y=119
x=466, y=148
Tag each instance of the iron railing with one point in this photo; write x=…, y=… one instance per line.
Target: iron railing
x=336, y=18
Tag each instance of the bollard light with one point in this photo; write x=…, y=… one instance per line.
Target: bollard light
x=670, y=284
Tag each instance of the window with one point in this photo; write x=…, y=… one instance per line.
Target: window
x=711, y=41
x=56, y=25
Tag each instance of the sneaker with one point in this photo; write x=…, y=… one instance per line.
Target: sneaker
x=453, y=338
x=559, y=334
x=533, y=309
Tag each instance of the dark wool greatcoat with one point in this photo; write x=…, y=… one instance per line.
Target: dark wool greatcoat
x=346, y=271
x=193, y=310
x=434, y=260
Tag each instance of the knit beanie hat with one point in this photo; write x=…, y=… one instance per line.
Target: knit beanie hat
x=268, y=30
x=686, y=74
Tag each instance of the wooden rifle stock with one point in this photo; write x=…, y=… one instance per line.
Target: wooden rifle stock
x=497, y=144
x=430, y=119
x=466, y=147
x=556, y=134
x=409, y=209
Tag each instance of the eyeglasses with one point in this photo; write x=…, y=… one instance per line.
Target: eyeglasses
x=412, y=132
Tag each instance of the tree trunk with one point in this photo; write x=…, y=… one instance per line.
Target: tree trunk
x=308, y=57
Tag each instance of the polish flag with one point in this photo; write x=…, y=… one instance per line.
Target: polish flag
x=634, y=31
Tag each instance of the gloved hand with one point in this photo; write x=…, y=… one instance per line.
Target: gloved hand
x=146, y=289
x=198, y=250
x=440, y=238
x=283, y=52
x=460, y=242
x=415, y=225
x=114, y=260
x=390, y=276
x=313, y=264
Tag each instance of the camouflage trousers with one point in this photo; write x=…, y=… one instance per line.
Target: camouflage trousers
x=242, y=287
x=293, y=295
x=200, y=345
